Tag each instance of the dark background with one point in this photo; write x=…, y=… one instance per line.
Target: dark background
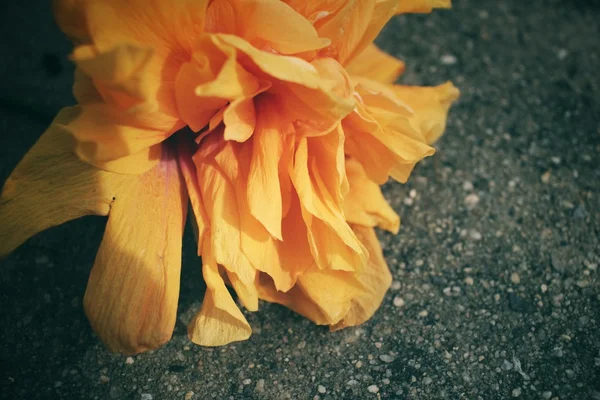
x=496, y=290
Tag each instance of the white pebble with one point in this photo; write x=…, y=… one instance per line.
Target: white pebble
x=467, y=186
x=398, y=301
x=475, y=235
x=448, y=59
x=413, y=193
x=472, y=200
x=373, y=389
x=544, y=288
x=516, y=392
x=515, y=278
x=408, y=201
x=146, y=396
x=322, y=389
x=129, y=360
x=469, y=281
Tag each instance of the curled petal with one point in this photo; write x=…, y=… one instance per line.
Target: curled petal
x=364, y=204
x=375, y=279
x=220, y=321
x=430, y=106
x=51, y=186
x=131, y=296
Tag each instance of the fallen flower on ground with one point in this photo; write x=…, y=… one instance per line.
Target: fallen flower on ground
x=274, y=123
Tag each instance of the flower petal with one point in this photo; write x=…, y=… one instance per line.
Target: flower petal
x=51, y=186
x=375, y=64
x=421, y=6
x=430, y=105
x=375, y=279
x=105, y=134
x=220, y=321
x=364, y=204
x=131, y=296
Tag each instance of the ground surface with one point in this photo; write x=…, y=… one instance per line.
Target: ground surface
x=496, y=289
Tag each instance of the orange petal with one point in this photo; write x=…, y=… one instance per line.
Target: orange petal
x=430, y=105
x=50, y=185
x=375, y=279
x=263, y=188
x=332, y=242
x=119, y=74
x=131, y=296
x=185, y=152
x=105, y=134
x=375, y=64
x=364, y=204
x=345, y=28
x=220, y=321
x=70, y=17
x=421, y=6
x=274, y=26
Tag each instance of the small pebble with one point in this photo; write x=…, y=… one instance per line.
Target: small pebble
x=386, y=358
x=373, y=389
x=448, y=59
x=352, y=382
x=544, y=288
x=260, y=386
x=516, y=392
x=515, y=278
x=104, y=379
x=146, y=396
x=322, y=389
x=475, y=235
x=467, y=186
x=188, y=395
x=469, y=281
x=247, y=381
x=129, y=360
x=472, y=200
x=547, y=394
x=427, y=380
x=398, y=301
x=408, y=201
x=412, y=193
x=546, y=177
x=423, y=313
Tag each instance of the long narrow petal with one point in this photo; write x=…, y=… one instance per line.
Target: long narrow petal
x=131, y=296
x=220, y=321
x=376, y=280
x=51, y=186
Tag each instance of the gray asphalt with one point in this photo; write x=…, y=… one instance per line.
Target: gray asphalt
x=496, y=290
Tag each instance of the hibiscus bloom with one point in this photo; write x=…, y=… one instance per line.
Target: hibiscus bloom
x=243, y=112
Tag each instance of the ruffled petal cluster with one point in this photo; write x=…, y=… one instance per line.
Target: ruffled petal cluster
x=273, y=121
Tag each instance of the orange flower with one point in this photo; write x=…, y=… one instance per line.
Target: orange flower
x=243, y=110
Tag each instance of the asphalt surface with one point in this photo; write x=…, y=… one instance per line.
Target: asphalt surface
x=496, y=290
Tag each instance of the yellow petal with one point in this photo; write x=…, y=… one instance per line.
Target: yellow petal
x=324, y=297
x=263, y=190
x=332, y=242
x=375, y=64
x=345, y=28
x=218, y=171
x=131, y=296
x=430, y=105
x=375, y=279
x=364, y=204
x=119, y=74
x=51, y=186
x=421, y=6
x=185, y=151
x=272, y=25
x=220, y=321
x=246, y=292
x=105, y=133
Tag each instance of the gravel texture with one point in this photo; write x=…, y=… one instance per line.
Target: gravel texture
x=496, y=290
